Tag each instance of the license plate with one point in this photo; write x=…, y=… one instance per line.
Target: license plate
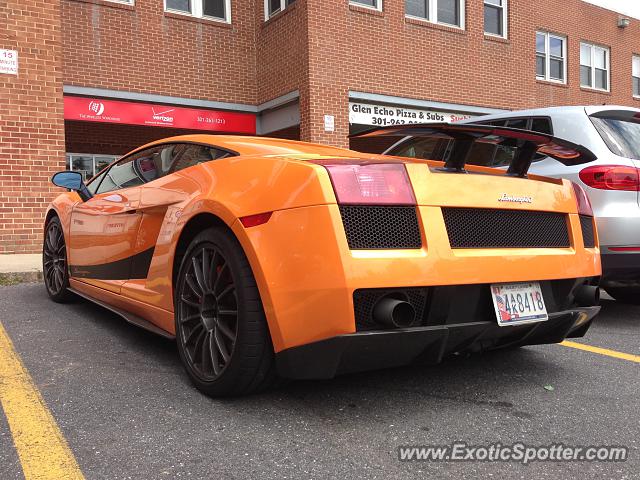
x=517, y=303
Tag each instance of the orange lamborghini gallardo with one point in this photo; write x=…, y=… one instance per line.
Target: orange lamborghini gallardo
x=270, y=258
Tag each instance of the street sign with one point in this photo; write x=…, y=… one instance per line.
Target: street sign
x=9, y=61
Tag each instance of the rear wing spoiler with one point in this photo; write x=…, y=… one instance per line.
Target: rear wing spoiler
x=527, y=143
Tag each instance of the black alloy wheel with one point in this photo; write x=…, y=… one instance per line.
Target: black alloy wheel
x=208, y=313
x=54, y=262
x=221, y=330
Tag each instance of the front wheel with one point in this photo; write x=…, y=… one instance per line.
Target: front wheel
x=54, y=262
x=221, y=330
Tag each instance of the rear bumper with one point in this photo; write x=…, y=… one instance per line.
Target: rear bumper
x=307, y=274
x=618, y=222
x=426, y=345
x=621, y=267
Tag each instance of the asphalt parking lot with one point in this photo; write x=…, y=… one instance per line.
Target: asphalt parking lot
x=126, y=410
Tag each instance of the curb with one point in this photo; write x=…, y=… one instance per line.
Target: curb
x=14, y=278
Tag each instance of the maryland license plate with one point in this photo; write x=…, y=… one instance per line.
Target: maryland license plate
x=517, y=303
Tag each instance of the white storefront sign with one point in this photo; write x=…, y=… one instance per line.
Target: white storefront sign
x=381, y=115
x=329, y=123
x=9, y=61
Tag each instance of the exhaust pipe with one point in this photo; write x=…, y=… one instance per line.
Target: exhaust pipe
x=394, y=313
x=587, y=295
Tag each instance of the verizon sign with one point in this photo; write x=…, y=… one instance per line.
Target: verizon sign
x=381, y=115
x=133, y=113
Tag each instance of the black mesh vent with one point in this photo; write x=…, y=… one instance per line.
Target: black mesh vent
x=364, y=300
x=587, y=231
x=369, y=227
x=491, y=228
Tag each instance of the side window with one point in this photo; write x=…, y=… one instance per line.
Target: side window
x=542, y=125
x=422, y=148
x=521, y=123
x=194, y=154
x=503, y=155
x=139, y=168
x=95, y=182
x=482, y=154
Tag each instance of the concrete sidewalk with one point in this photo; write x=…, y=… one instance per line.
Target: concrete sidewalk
x=18, y=268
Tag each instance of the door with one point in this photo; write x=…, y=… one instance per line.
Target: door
x=160, y=206
x=104, y=229
x=102, y=234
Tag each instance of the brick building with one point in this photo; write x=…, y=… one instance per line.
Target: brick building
x=84, y=81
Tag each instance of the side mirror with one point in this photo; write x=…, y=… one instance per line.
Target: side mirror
x=72, y=181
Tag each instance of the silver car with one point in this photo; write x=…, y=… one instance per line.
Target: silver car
x=612, y=182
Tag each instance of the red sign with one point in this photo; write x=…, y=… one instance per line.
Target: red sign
x=132, y=113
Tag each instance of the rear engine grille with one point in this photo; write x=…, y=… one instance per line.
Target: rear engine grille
x=587, y=231
x=491, y=228
x=378, y=227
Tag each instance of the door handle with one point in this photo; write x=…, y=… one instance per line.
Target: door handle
x=116, y=198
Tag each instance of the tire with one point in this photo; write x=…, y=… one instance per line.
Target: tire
x=54, y=262
x=221, y=329
x=629, y=294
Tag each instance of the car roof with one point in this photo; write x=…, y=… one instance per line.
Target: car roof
x=551, y=111
x=245, y=145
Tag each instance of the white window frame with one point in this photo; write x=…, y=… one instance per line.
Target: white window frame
x=547, y=57
x=197, y=9
x=124, y=2
x=635, y=65
x=377, y=7
x=267, y=15
x=595, y=47
x=70, y=159
x=433, y=14
x=505, y=19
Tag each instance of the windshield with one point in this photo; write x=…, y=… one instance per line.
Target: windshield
x=620, y=130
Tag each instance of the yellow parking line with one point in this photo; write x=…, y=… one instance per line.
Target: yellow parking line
x=602, y=351
x=43, y=451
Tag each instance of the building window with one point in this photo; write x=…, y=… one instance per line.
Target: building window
x=126, y=2
x=88, y=164
x=271, y=7
x=376, y=4
x=495, y=17
x=212, y=9
x=594, y=67
x=636, y=76
x=447, y=12
x=551, y=54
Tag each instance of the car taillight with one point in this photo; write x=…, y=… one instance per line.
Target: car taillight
x=371, y=183
x=584, y=205
x=611, y=177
